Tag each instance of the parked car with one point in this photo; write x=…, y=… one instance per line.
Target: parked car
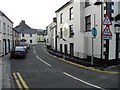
x=27, y=46
x=18, y=52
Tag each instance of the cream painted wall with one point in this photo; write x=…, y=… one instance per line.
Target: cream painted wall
x=7, y=35
x=82, y=39
x=28, y=38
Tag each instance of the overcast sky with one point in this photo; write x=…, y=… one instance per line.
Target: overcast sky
x=36, y=13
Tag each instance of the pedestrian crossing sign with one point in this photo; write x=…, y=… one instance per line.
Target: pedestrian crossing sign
x=107, y=21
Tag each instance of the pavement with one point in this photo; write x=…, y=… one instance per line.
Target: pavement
x=5, y=68
x=0, y=73
x=6, y=72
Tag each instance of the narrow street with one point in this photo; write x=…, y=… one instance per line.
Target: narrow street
x=41, y=70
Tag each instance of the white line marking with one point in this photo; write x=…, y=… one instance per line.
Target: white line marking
x=83, y=81
x=43, y=61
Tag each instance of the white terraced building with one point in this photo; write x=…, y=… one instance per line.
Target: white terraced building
x=6, y=26
x=75, y=20
x=51, y=35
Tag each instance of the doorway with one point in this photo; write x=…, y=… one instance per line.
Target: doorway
x=65, y=49
x=71, y=49
x=61, y=50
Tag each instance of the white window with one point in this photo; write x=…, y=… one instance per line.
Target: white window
x=4, y=28
x=61, y=18
x=88, y=23
x=87, y=3
x=8, y=29
x=30, y=35
x=71, y=13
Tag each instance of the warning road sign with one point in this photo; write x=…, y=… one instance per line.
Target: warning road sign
x=107, y=32
x=107, y=21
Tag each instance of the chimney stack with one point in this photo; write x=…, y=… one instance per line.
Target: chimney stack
x=55, y=19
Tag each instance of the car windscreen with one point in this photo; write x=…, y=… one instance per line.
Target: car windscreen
x=23, y=44
x=19, y=49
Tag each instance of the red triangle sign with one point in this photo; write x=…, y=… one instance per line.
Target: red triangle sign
x=107, y=32
x=107, y=21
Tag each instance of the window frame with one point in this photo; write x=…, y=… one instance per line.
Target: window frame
x=61, y=18
x=87, y=3
x=70, y=31
x=71, y=13
x=61, y=32
x=87, y=23
x=31, y=42
x=4, y=28
x=30, y=35
x=23, y=35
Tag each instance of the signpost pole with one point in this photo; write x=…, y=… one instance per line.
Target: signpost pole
x=92, y=58
x=94, y=33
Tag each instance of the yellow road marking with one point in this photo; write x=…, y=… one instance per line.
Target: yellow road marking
x=22, y=81
x=81, y=66
x=17, y=81
x=93, y=69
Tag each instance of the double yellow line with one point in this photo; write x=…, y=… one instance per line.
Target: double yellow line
x=20, y=82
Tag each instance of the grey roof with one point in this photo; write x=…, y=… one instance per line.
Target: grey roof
x=26, y=31
x=23, y=25
x=42, y=32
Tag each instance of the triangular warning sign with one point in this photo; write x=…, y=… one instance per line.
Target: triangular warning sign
x=107, y=32
x=107, y=21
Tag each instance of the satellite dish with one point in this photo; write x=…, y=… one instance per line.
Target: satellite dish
x=65, y=30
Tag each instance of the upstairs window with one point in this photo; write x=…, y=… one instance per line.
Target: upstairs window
x=87, y=3
x=30, y=35
x=23, y=35
x=8, y=29
x=71, y=31
x=61, y=18
x=71, y=13
x=4, y=28
x=88, y=23
x=61, y=33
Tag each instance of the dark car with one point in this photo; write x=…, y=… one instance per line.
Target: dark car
x=18, y=52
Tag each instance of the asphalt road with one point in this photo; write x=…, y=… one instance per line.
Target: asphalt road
x=41, y=70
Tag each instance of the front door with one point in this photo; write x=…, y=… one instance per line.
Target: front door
x=71, y=49
x=65, y=48
x=61, y=48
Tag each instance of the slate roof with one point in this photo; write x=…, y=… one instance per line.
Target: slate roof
x=41, y=32
x=23, y=25
x=26, y=31
x=23, y=28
